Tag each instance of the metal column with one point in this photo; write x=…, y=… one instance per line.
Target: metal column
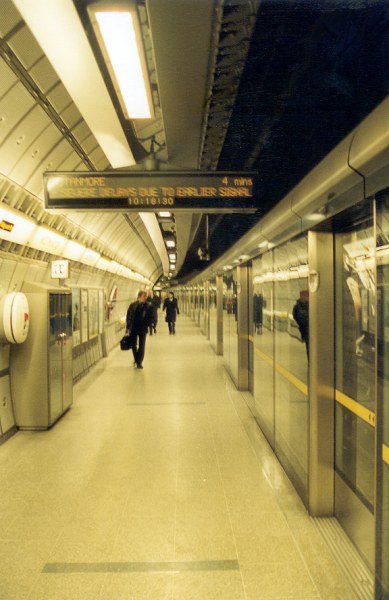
x=243, y=327
x=219, y=312
x=321, y=374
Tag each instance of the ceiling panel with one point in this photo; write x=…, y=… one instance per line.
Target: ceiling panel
x=7, y=77
x=9, y=17
x=72, y=163
x=44, y=75
x=59, y=98
x=34, y=179
x=14, y=104
x=25, y=47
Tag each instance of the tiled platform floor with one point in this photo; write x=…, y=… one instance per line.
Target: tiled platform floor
x=156, y=485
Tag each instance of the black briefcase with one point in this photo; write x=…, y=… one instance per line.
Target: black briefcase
x=125, y=343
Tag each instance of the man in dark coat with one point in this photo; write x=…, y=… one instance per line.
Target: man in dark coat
x=301, y=316
x=138, y=320
x=171, y=306
x=155, y=303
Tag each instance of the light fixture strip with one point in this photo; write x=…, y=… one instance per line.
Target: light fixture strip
x=78, y=70
x=123, y=47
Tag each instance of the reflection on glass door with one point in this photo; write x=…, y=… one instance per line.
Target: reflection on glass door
x=291, y=317
x=212, y=314
x=230, y=323
x=355, y=314
x=263, y=343
x=281, y=346
x=382, y=502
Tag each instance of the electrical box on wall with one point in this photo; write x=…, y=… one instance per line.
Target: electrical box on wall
x=14, y=318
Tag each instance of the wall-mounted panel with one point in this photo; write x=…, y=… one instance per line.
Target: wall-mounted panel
x=7, y=78
x=25, y=46
x=28, y=153
x=13, y=107
x=34, y=182
x=59, y=98
x=9, y=19
x=44, y=75
x=7, y=419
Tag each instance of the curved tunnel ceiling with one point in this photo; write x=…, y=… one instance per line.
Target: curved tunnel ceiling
x=41, y=128
x=270, y=86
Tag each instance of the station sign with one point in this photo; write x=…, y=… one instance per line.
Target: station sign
x=151, y=191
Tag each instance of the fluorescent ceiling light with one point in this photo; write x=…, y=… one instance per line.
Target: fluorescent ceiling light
x=15, y=227
x=315, y=216
x=47, y=240
x=170, y=243
x=90, y=257
x=164, y=214
x=56, y=25
x=73, y=250
x=103, y=263
x=172, y=257
x=121, y=43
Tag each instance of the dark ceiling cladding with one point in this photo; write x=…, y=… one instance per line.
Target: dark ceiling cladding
x=314, y=70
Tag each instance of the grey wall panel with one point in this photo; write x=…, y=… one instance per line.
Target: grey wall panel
x=72, y=163
x=34, y=183
x=71, y=115
x=44, y=75
x=7, y=419
x=7, y=269
x=81, y=132
x=97, y=155
x=16, y=97
x=19, y=275
x=4, y=357
x=90, y=143
x=25, y=46
x=101, y=161
x=59, y=98
x=9, y=17
x=7, y=78
x=18, y=160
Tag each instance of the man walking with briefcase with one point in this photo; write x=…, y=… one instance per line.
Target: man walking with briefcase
x=138, y=320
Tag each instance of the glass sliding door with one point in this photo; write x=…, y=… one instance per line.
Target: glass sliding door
x=230, y=323
x=212, y=314
x=382, y=510
x=291, y=315
x=355, y=376
x=263, y=343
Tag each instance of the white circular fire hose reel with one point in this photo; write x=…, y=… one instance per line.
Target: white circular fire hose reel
x=14, y=318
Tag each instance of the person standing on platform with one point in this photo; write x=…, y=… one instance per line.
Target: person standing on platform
x=171, y=306
x=155, y=303
x=139, y=317
x=301, y=316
